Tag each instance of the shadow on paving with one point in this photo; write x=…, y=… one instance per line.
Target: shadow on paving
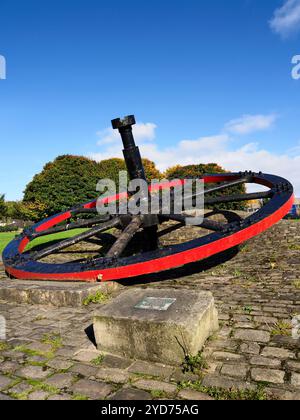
x=183, y=271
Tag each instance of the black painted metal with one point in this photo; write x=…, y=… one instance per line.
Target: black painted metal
x=71, y=226
x=131, y=152
x=76, y=239
x=239, y=197
x=280, y=192
x=282, y=189
x=136, y=170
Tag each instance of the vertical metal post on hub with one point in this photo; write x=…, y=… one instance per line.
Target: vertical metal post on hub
x=136, y=170
x=131, y=151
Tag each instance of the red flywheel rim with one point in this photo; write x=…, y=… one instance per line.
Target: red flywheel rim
x=193, y=251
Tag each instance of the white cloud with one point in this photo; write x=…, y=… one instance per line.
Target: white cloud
x=286, y=19
x=218, y=149
x=294, y=151
x=142, y=132
x=250, y=123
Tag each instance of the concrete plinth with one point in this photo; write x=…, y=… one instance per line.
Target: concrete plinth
x=58, y=294
x=159, y=325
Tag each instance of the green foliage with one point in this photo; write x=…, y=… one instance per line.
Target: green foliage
x=197, y=171
x=62, y=184
x=54, y=340
x=248, y=310
x=257, y=394
x=68, y=181
x=8, y=228
x=297, y=284
x=98, y=361
x=3, y=208
x=151, y=171
x=3, y=346
x=98, y=297
x=294, y=247
x=281, y=328
x=110, y=168
x=158, y=394
x=33, y=211
x=194, y=364
x=79, y=397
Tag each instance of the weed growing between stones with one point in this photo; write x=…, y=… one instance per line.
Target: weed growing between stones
x=54, y=340
x=98, y=297
x=237, y=273
x=248, y=310
x=281, y=328
x=194, y=364
x=156, y=394
x=35, y=386
x=32, y=353
x=41, y=386
x=79, y=398
x=294, y=247
x=297, y=284
x=3, y=346
x=227, y=394
x=98, y=361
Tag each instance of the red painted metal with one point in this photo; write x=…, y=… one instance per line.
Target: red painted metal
x=165, y=263
x=158, y=264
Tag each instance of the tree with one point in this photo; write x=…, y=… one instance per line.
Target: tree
x=151, y=170
x=3, y=208
x=71, y=180
x=110, y=169
x=197, y=171
x=63, y=183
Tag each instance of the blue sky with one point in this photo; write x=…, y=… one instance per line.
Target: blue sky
x=207, y=80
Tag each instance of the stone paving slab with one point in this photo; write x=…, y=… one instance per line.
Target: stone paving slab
x=257, y=294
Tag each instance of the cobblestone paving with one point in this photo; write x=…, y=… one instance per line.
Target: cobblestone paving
x=49, y=352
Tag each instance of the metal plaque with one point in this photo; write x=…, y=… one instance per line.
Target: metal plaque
x=155, y=304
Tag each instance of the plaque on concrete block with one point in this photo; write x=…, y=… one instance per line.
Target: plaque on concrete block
x=155, y=304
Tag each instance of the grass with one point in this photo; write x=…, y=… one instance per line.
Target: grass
x=5, y=238
x=52, y=238
x=297, y=284
x=98, y=297
x=237, y=273
x=157, y=394
x=227, y=394
x=98, y=361
x=294, y=247
x=3, y=346
x=32, y=353
x=281, y=328
x=54, y=340
x=35, y=386
x=79, y=398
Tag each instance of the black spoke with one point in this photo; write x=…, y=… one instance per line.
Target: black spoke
x=75, y=225
x=206, y=224
x=239, y=197
x=170, y=229
x=82, y=210
x=121, y=243
x=76, y=239
x=228, y=185
x=167, y=210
